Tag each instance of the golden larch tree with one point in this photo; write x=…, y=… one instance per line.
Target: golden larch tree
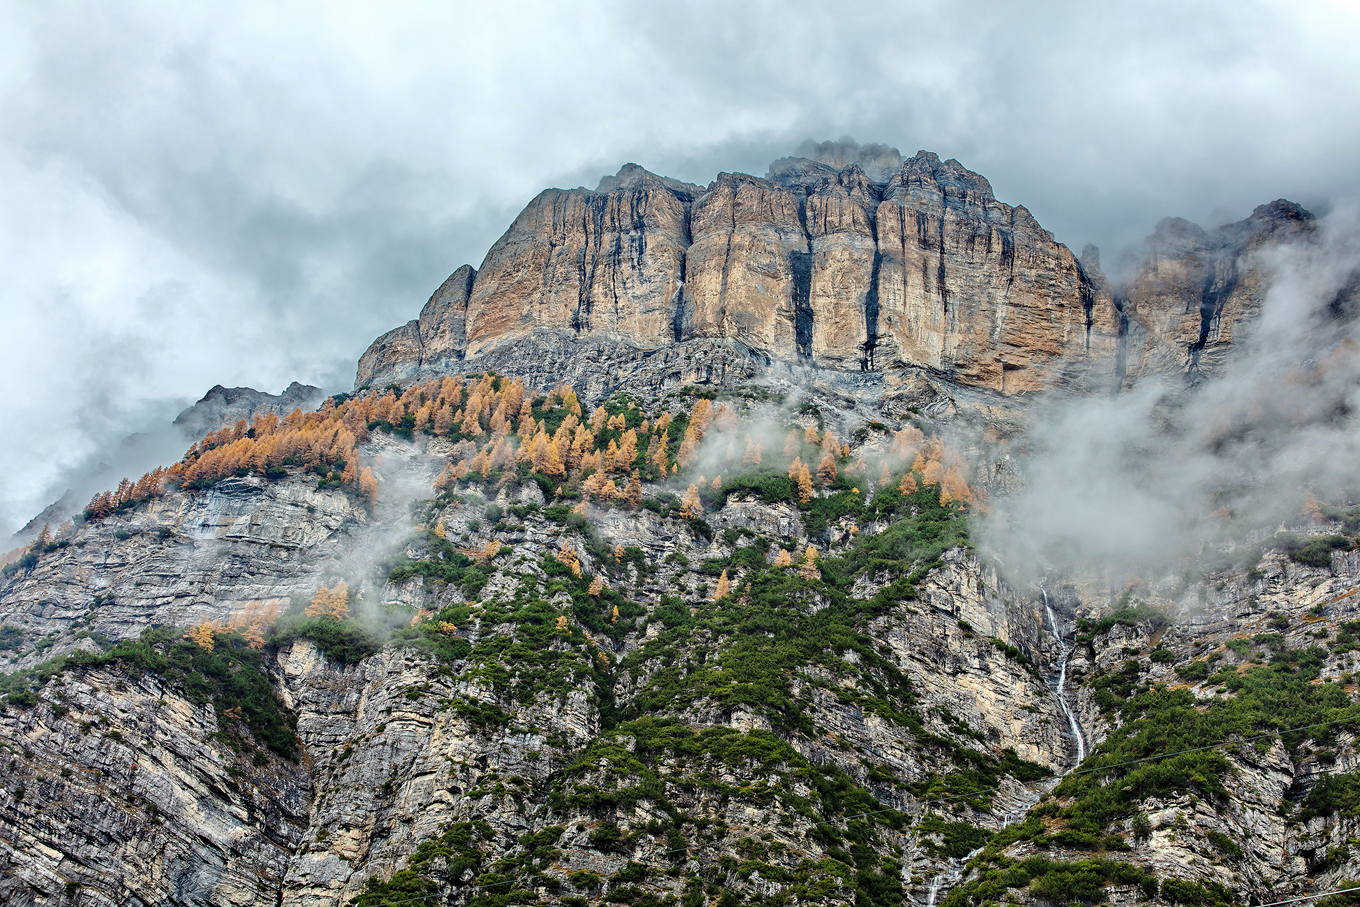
x=202, y=635
x=826, y=470
x=804, y=484
x=690, y=508
x=807, y=569
x=632, y=494
x=368, y=486
x=724, y=588
x=657, y=452
x=701, y=417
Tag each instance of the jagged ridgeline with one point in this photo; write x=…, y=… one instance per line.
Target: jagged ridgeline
x=641, y=569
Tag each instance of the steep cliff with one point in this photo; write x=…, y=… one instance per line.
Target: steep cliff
x=1193, y=290
x=552, y=700
x=812, y=264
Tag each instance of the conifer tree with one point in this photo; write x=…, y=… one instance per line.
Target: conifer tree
x=724, y=587
x=201, y=635
x=726, y=418
x=368, y=486
x=783, y=559
x=632, y=494
x=657, y=452
x=826, y=470
x=700, y=418
x=690, y=508
x=804, y=484
x=808, y=568
x=626, y=455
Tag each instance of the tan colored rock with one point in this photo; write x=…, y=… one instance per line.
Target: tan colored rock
x=973, y=287
x=830, y=267
x=844, y=292
x=1194, y=290
x=608, y=262
x=437, y=337
x=747, y=273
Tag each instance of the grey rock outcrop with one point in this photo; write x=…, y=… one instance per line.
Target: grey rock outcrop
x=223, y=406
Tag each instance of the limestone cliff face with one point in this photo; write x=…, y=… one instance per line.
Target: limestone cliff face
x=608, y=262
x=539, y=742
x=437, y=338
x=813, y=264
x=117, y=789
x=1195, y=290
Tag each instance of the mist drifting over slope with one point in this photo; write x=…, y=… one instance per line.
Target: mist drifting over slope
x=1137, y=480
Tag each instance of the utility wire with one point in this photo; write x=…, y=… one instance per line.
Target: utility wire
x=1309, y=897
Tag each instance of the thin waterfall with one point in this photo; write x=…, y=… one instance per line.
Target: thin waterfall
x=1066, y=653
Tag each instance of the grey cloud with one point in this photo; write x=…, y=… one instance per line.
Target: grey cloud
x=249, y=194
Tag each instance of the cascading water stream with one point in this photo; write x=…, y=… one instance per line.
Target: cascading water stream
x=954, y=872
x=951, y=875
x=1062, y=679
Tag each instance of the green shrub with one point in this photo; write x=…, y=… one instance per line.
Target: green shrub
x=1312, y=552
x=1193, y=672
x=343, y=641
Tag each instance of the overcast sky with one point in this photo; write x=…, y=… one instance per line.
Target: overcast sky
x=247, y=194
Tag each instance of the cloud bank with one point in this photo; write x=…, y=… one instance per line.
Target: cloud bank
x=248, y=194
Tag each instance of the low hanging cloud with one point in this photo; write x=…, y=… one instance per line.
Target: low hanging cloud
x=1133, y=483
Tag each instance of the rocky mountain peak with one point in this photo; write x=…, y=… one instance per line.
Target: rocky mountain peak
x=633, y=176
x=222, y=406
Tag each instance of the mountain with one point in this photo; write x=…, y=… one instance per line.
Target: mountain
x=647, y=566
x=828, y=268
x=147, y=449
x=222, y=406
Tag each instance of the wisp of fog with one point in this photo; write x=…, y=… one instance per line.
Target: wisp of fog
x=1132, y=483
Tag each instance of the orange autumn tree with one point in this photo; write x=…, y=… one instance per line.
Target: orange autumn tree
x=202, y=635
x=690, y=508
x=330, y=602
x=724, y=588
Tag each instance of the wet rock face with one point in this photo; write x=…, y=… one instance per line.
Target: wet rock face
x=920, y=267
